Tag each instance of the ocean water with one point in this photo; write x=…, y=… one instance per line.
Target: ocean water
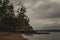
x=52, y=36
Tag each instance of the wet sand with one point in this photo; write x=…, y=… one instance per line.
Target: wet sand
x=11, y=36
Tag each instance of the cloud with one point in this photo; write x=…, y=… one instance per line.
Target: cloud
x=46, y=10
x=38, y=4
x=53, y=10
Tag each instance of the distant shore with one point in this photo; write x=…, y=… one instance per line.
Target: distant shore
x=11, y=36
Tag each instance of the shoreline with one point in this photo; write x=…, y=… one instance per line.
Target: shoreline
x=11, y=36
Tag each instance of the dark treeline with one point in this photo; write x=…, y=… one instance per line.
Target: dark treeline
x=8, y=21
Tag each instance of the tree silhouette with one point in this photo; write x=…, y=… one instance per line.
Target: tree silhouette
x=7, y=19
x=23, y=19
x=8, y=22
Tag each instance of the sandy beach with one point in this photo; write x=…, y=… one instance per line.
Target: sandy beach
x=11, y=36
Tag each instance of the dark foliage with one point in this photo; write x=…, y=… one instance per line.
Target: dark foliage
x=8, y=22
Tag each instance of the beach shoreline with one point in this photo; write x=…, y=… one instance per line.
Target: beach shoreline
x=11, y=36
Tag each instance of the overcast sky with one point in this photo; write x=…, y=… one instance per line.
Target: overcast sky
x=41, y=12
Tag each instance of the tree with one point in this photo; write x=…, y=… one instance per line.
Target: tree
x=23, y=19
x=8, y=22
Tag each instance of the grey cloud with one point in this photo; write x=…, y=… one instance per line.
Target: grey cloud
x=48, y=10
x=53, y=27
x=55, y=13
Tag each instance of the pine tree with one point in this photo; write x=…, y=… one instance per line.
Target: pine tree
x=8, y=22
x=7, y=19
x=23, y=19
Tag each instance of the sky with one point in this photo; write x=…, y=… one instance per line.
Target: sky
x=43, y=14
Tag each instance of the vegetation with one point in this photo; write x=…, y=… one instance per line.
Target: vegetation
x=8, y=22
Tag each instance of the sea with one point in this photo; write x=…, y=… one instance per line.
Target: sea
x=51, y=36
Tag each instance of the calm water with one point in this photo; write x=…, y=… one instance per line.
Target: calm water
x=52, y=36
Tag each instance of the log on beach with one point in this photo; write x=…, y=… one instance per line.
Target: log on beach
x=11, y=36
